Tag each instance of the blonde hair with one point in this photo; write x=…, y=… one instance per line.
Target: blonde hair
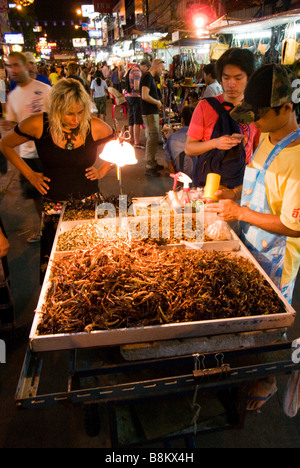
x=64, y=94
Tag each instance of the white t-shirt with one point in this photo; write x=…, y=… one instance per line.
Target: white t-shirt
x=99, y=91
x=23, y=102
x=213, y=89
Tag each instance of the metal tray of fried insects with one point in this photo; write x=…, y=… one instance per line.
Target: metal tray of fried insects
x=170, y=331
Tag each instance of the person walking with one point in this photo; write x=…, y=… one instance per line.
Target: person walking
x=151, y=105
x=98, y=92
x=33, y=72
x=28, y=98
x=132, y=81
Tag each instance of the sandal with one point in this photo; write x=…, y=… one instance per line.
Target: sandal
x=34, y=239
x=260, y=393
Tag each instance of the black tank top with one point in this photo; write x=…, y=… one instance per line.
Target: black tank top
x=66, y=168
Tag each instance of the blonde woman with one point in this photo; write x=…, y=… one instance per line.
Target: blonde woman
x=67, y=139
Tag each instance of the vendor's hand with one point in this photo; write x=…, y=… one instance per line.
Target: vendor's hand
x=4, y=245
x=227, y=210
x=92, y=173
x=39, y=181
x=225, y=142
x=159, y=105
x=225, y=193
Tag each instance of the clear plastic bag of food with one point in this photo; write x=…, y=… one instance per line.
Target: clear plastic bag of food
x=218, y=230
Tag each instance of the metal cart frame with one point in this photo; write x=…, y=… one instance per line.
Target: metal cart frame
x=180, y=375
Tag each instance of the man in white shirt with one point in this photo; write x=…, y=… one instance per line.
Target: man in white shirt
x=27, y=99
x=213, y=87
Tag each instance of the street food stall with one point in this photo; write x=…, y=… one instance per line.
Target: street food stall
x=149, y=313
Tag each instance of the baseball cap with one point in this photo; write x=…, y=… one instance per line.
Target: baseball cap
x=270, y=86
x=146, y=62
x=29, y=56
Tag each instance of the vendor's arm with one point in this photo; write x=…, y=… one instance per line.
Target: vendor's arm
x=33, y=128
x=4, y=245
x=228, y=211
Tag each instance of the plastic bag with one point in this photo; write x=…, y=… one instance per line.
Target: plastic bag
x=219, y=230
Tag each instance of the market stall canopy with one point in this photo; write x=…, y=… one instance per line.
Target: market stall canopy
x=257, y=24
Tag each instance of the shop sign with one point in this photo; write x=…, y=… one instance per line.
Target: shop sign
x=175, y=36
x=80, y=42
x=159, y=44
x=105, y=6
x=87, y=10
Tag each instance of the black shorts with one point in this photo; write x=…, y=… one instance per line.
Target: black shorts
x=29, y=191
x=135, y=111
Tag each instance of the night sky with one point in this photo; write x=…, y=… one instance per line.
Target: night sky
x=58, y=9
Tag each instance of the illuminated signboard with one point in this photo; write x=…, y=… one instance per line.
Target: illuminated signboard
x=80, y=42
x=87, y=10
x=96, y=33
x=14, y=38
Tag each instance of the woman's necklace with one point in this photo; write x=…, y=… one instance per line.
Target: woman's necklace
x=70, y=138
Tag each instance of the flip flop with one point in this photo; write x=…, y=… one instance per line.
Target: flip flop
x=263, y=400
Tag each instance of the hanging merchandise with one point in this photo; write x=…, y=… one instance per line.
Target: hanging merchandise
x=290, y=46
x=218, y=49
x=25, y=3
x=263, y=45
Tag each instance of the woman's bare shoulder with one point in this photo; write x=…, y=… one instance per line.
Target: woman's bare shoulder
x=33, y=125
x=100, y=129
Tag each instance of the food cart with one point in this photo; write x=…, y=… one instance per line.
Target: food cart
x=151, y=378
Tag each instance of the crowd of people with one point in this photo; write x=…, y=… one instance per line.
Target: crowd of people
x=243, y=127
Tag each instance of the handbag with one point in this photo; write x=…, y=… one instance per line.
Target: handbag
x=217, y=49
x=289, y=51
x=289, y=46
x=262, y=46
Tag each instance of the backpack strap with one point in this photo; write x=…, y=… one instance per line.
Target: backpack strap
x=216, y=105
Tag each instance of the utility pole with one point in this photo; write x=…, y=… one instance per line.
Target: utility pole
x=146, y=12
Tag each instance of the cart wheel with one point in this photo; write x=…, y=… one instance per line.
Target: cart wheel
x=91, y=419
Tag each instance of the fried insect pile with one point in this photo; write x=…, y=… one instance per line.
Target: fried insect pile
x=121, y=284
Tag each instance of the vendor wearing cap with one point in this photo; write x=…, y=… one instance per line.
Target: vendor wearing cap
x=270, y=195
x=270, y=206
